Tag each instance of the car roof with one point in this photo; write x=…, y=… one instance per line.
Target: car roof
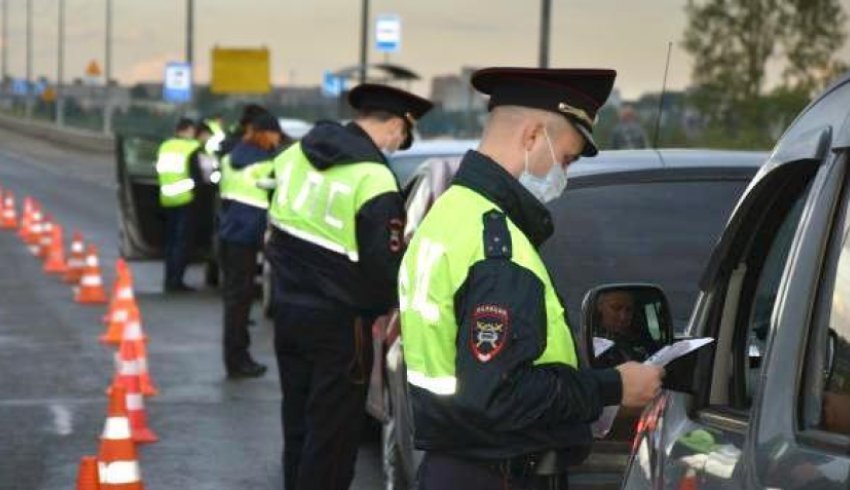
x=613, y=161
x=294, y=128
x=438, y=147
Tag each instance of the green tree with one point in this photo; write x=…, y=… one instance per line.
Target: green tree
x=814, y=32
x=732, y=42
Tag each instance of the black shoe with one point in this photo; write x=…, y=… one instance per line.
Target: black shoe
x=249, y=369
x=178, y=288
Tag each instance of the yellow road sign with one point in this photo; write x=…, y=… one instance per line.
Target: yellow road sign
x=240, y=71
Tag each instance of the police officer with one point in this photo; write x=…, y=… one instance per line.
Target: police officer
x=237, y=132
x=498, y=397
x=242, y=225
x=337, y=221
x=176, y=172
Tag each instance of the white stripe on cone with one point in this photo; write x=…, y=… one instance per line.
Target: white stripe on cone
x=129, y=368
x=119, y=472
x=135, y=402
x=116, y=428
x=91, y=281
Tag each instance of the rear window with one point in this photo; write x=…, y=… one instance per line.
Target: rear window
x=140, y=155
x=660, y=233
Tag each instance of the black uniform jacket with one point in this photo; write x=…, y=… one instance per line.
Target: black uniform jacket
x=505, y=406
x=310, y=276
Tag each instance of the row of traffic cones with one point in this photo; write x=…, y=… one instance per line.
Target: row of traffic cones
x=45, y=240
x=116, y=465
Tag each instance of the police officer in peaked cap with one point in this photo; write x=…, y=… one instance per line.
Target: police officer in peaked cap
x=499, y=397
x=336, y=243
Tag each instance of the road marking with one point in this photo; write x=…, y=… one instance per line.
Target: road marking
x=61, y=419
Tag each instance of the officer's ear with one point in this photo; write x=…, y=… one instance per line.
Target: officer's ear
x=531, y=130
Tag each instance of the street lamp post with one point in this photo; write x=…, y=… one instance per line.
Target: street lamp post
x=107, y=65
x=60, y=68
x=364, y=40
x=29, y=100
x=5, y=43
x=545, y=23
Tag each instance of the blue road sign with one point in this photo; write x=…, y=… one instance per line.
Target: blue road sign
x=177, y=87
x=388, y=33
x=332, y=85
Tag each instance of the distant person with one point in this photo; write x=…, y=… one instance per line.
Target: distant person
x=615, y=311
x=236, y=134
x=177, y=176
x=242, y=225
x=628, y=133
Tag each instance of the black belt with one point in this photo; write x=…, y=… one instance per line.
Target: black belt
x=517, y=467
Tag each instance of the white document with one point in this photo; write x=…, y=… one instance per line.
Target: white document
x=600, y=345
x=663, y=357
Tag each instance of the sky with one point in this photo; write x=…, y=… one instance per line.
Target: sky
x=307, y=37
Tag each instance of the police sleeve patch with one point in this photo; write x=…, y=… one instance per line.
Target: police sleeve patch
x=490, y=331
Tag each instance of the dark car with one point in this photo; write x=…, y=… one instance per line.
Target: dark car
x=636, y=216
x=767, y=404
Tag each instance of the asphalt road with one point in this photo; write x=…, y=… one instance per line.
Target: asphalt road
x=214, y=433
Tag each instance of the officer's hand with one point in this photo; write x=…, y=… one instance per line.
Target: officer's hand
x=641, y=383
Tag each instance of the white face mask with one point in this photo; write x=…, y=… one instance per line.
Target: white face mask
x=549, y=187
x=394, y=145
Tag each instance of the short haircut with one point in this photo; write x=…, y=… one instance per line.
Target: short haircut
x=203, y=128
x=183, y=124
x=376, y=114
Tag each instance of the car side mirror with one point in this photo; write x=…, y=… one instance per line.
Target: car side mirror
x=625, y=322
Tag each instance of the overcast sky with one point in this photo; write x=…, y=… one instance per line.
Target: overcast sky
x=307, y=37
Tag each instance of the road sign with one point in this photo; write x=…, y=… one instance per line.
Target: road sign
x=332, y=85
x=240, y=71
x=93, y=69
x=178, y=83
x=388, y=33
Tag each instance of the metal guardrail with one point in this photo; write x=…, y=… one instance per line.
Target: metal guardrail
x=80, y=139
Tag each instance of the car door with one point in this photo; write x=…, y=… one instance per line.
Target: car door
x=740, y=421
x=141, y=218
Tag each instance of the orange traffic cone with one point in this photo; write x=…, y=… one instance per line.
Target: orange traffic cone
x=133, y=332
x=121, y=273
x=118, y=464
x=127, y=377
x=10, y=216
x=33, y=239
x=26, y=220
x=123, y=303
x=55, y=263
x=87, y=475
x=45, y=241
x=91, y=284
x=77, y=260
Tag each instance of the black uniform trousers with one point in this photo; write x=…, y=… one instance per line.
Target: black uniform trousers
x=178, y=225
x=324, y=358
x=239, y=267
x=446, y=472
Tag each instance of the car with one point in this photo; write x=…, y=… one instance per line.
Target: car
x=140, y=215
x=633, y=215
x=404, y=163
x=767, y=403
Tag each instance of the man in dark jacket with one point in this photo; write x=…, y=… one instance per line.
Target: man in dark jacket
x=242, y=225
x=335, y=247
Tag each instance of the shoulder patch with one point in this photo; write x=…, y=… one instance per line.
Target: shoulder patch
x=490, y=330
x=497, y=236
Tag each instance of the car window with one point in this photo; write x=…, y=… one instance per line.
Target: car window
x=764, y=299
x=404, y=166
x=826, y=395
x=140, y=156
x=654, y=232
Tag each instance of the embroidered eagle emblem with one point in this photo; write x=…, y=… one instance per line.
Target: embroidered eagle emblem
x=490, y=328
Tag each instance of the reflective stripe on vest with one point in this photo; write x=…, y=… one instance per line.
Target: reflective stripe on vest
x=320, y=206
x=241, y=185
x=172, y=168
x=434, y=268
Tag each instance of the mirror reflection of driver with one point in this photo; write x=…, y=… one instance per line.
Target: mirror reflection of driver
x=615, y=313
